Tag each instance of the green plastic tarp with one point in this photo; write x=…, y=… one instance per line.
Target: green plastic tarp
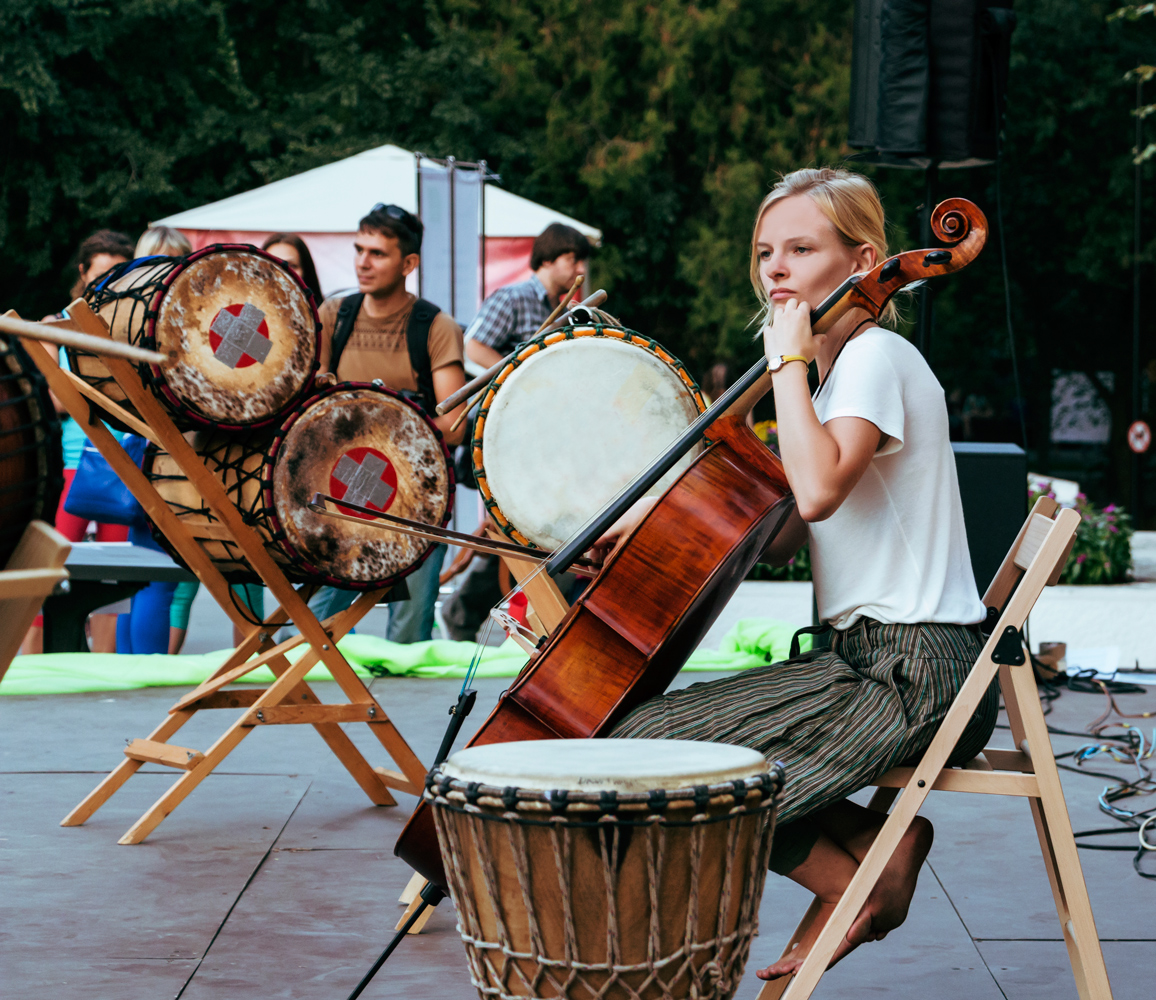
x=751, y=642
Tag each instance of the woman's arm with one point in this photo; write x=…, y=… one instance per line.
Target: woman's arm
x=823, y=462
x=792, y=536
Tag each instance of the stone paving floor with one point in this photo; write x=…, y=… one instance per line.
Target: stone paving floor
x=276, y=878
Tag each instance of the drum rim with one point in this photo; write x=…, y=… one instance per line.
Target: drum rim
x=534, y=346
x=270, y=461
x=632, y=808
x=153, y=315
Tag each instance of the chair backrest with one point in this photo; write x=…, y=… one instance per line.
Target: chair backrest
x=1037, y=558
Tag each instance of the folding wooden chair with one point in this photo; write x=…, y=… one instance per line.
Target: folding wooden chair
x=1034, y=561
x=34, y=569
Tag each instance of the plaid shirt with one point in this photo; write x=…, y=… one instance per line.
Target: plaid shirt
x=511, y=315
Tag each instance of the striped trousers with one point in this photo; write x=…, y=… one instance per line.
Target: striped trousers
x=839, y=718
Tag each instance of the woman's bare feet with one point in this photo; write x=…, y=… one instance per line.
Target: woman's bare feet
x=886, y=907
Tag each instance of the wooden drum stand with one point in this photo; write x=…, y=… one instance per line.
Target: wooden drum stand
x=288, y=700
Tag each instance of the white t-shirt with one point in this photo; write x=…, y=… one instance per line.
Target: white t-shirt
x=896, y=549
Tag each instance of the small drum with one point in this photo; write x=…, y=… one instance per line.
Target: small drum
x=244, y=329
x=570, y=421
x=352, y=441
x=31, y=463
x=606, y=868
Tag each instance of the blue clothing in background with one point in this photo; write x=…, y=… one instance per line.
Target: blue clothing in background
x=72, y=438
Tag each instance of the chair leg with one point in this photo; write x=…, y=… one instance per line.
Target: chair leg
x=1058, y=846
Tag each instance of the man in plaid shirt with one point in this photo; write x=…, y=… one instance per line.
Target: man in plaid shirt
x=513, y=314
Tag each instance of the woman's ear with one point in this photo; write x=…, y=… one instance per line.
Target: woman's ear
x=865, y=257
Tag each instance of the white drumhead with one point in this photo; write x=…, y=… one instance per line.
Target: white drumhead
x=604, y=765
x=572, y=425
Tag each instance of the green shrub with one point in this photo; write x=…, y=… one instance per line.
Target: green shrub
x=1103, y=549
x=798, y=568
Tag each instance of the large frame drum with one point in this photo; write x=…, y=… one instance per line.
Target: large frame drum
x=622, y=869
x=573, y=418
x=31, y=461
x=354, y=441
x=243, y=327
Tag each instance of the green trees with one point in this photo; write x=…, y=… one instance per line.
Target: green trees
x=661, y=122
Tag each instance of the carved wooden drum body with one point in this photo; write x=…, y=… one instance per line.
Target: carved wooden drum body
x=610, y=868
x=31, y=463
x=242, y=325
x=570, y=421
x=353, y=441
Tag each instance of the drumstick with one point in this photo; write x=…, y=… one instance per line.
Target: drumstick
x=473, y=385
x=83, y=341
x=434, y=533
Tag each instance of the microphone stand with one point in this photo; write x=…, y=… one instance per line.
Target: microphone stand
x=430, y=894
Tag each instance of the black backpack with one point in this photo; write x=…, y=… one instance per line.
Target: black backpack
x=416, y=342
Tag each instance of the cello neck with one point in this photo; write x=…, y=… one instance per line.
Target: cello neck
x=737, y=401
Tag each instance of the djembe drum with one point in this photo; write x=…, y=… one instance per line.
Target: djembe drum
x=242, y=325
x=31, y=462
x=621, y=869
x=571, y=420
x=353, y=441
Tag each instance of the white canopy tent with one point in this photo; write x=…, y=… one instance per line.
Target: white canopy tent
x=323, y=206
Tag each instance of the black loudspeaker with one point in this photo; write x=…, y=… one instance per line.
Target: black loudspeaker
x=993, y=485
x=928, y=79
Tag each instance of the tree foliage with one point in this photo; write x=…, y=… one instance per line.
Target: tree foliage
x=661, y=122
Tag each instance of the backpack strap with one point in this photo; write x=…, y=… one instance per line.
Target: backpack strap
x=417, y=341
x=343, y=328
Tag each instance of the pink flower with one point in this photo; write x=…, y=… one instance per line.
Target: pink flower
x=1080, y=558
x=1081, y=496
x=1111, y=507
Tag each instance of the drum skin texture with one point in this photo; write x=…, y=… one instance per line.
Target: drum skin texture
x=347, y=431
x=243, y=327
x=629, y=633
x=572, y=419
x=650, y=892
x=360, y=423
x=31, y=462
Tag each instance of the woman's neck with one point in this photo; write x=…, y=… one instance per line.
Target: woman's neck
x=845, y=328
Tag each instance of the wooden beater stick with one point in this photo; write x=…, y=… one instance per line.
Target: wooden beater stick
x=83, y=341
x=473, y=385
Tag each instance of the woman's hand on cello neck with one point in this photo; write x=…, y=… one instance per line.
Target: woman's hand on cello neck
x=623, y=528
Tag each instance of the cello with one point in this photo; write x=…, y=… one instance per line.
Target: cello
x=632, y=629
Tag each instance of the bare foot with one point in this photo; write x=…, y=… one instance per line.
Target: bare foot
x=886, y=907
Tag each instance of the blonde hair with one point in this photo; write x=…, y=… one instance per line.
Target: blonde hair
x=163, y=240
x=848, y=200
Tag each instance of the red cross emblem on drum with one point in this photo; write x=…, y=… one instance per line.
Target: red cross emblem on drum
x=364, y=476
x=239, y=336
x=1139, y=437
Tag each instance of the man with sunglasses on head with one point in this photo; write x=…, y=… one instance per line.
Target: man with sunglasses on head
x=384, y=332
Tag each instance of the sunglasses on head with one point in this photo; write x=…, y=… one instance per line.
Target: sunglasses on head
x=398, y=214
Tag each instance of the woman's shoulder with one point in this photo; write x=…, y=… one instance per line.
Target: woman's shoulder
x=884, y=343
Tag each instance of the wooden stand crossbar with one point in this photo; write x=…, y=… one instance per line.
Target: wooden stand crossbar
x=288, y=700
x=1035, y=561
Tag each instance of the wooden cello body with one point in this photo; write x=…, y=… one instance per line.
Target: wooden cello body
x=633, y=628
x=631, y=631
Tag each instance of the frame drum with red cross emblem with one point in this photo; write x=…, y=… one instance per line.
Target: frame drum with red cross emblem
x=353, y=441
x=243, y=327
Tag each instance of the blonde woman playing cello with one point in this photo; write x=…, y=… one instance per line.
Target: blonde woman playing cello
x=873, y=475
